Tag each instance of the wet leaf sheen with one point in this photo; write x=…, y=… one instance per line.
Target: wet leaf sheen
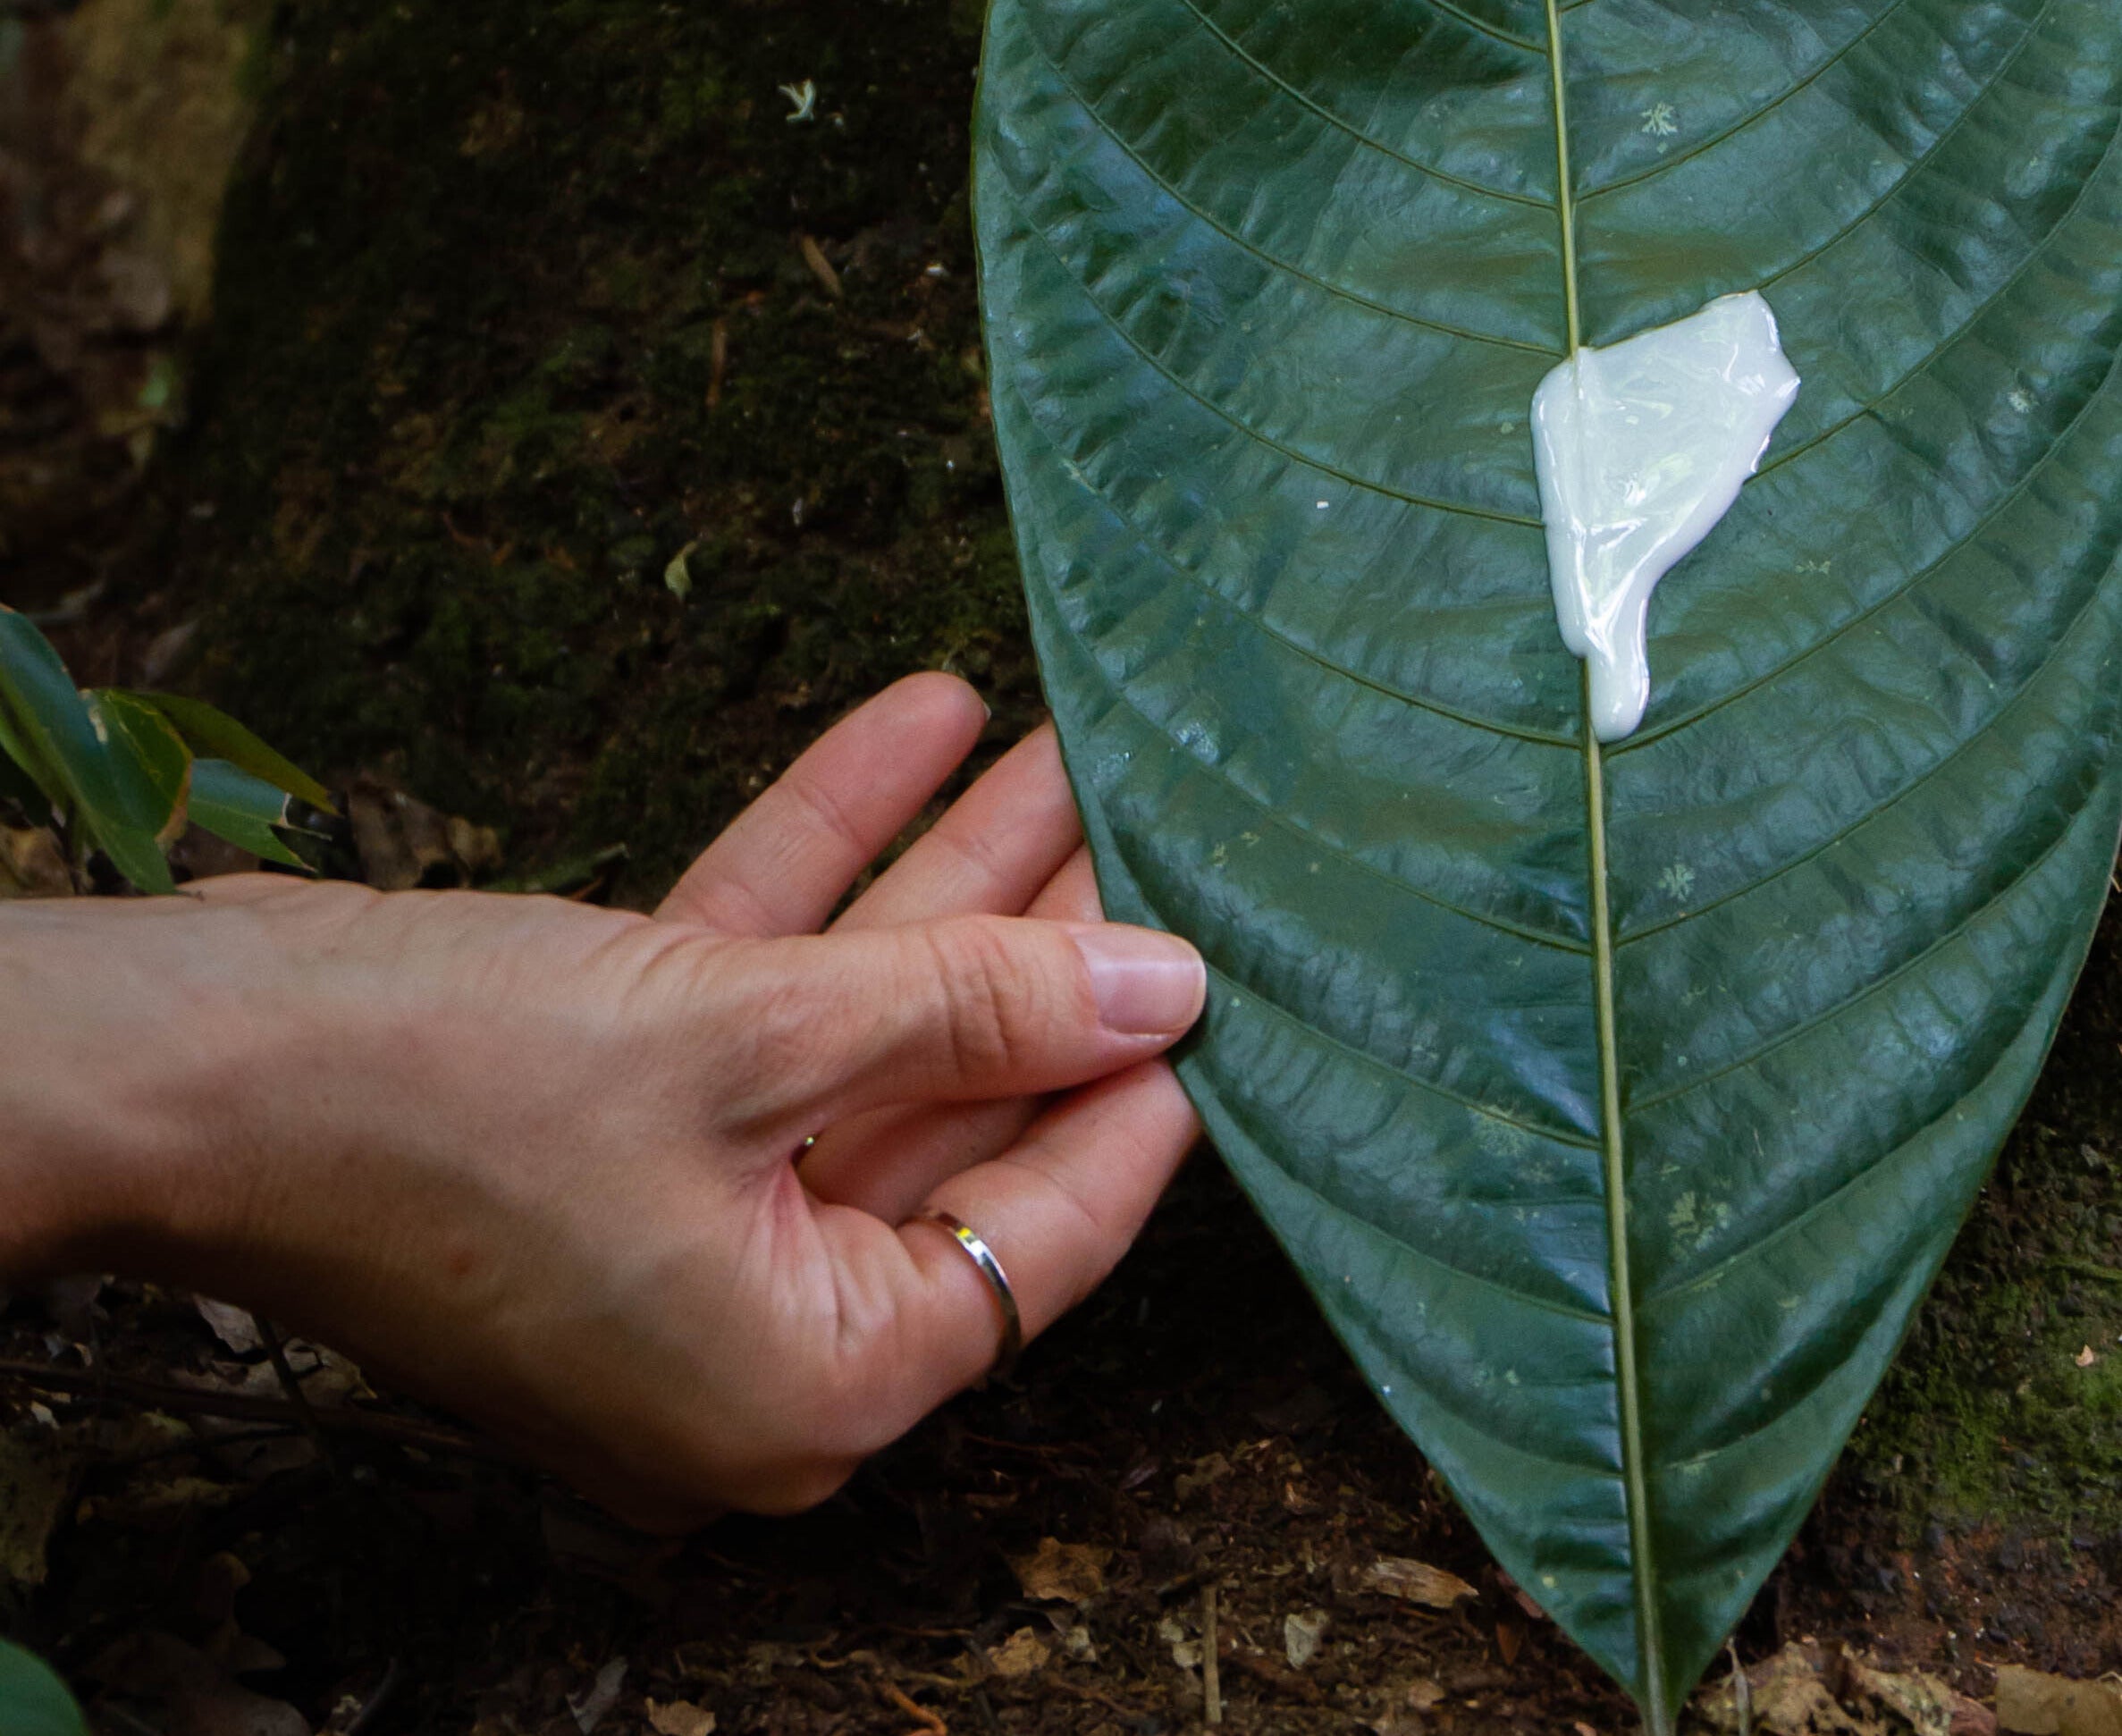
x=1618, y=1106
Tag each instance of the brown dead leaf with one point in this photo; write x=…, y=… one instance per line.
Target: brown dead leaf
x=1022, y=1653
x=590, y=1706
x=1062, y=1572
x=1208, y=1468
x=1803, y=1691
x=680, y=1718
x=1301, y=1636
x=1416, y=1582
x=36, y=1473
x=235, y=1326
x=31, y=866
x=404, y=843
x=1922, y=1701
x=2030, y=1703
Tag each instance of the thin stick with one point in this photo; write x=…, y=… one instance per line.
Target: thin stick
x=914, y=1708
x=1211, y=1670
x=367, y=1717
x=186, y=1401
x=269, y=1336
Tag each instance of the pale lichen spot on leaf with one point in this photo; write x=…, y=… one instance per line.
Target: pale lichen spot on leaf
x=1500, y=1139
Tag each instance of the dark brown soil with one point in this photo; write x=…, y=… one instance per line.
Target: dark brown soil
x=514, y=308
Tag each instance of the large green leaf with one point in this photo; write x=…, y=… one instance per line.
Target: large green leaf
x=1618, y=1106
x=33, y=1701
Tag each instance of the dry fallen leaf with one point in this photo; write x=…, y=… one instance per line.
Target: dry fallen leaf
x=36, y=1470
x=1186, y=1651
x=1397, y=1576
x=1300, y=1635
x=2087, y=1357
x=1424, y=1692
x=1062, y=1572
x=2031, y=1703
x=1803, y=1691
x=235, y=1326
x=1924, y=1702
x=1208, y=1468
x=404, y=843
x=680, y=1718
x=31, y=865
x=1022, y=1653
x=600, y=1697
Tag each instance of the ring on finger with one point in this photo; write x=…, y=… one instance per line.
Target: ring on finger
x=990, y=1268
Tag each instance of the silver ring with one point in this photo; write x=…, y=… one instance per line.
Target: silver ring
x=990, y=1268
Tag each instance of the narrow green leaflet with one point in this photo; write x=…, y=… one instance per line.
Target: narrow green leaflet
x=230, y=802
x=33, y=1701
x=153, y=799
x=84, y=766
x=212, y=732
x=1618, y=1106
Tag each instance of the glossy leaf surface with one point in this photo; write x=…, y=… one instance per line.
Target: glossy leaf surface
x=88, y=770
x=230, y=802
x=1619, y=1105
x=211, y=732
x=33, y=1701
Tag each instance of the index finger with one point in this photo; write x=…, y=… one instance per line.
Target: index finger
x=787, y=859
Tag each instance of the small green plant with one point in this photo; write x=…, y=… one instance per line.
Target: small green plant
x=33, y=1701
x=123, y=771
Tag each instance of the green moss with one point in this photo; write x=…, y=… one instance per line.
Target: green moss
x=510, y=309
x=1987, y=1417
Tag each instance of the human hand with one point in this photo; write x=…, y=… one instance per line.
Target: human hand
x=541, y=1163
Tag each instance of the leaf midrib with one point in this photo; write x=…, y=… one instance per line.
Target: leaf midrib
x=1649, y=1636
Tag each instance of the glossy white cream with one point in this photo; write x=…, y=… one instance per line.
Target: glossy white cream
x=1640, y=449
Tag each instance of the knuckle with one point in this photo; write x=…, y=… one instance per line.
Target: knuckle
x=775, y=1045
x=997, y=1008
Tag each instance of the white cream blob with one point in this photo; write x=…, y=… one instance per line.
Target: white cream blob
x=1640, y=449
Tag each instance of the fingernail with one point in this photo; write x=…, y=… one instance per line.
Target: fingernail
x=1147, y=983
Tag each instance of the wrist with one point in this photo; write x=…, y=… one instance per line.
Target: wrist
x=127, y=1031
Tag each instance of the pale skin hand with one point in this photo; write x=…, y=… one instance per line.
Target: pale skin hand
x=543, y=1162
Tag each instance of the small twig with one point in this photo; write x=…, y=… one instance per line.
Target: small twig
x=385, y=1688
x=205, y=1446
x=276, y=1353
x=245, y=1407
x=914, y=1708
x=1211, y=1669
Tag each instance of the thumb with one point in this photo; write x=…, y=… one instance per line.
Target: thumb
x=962, y=1008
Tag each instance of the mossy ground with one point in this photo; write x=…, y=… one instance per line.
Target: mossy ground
x=514, y=308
